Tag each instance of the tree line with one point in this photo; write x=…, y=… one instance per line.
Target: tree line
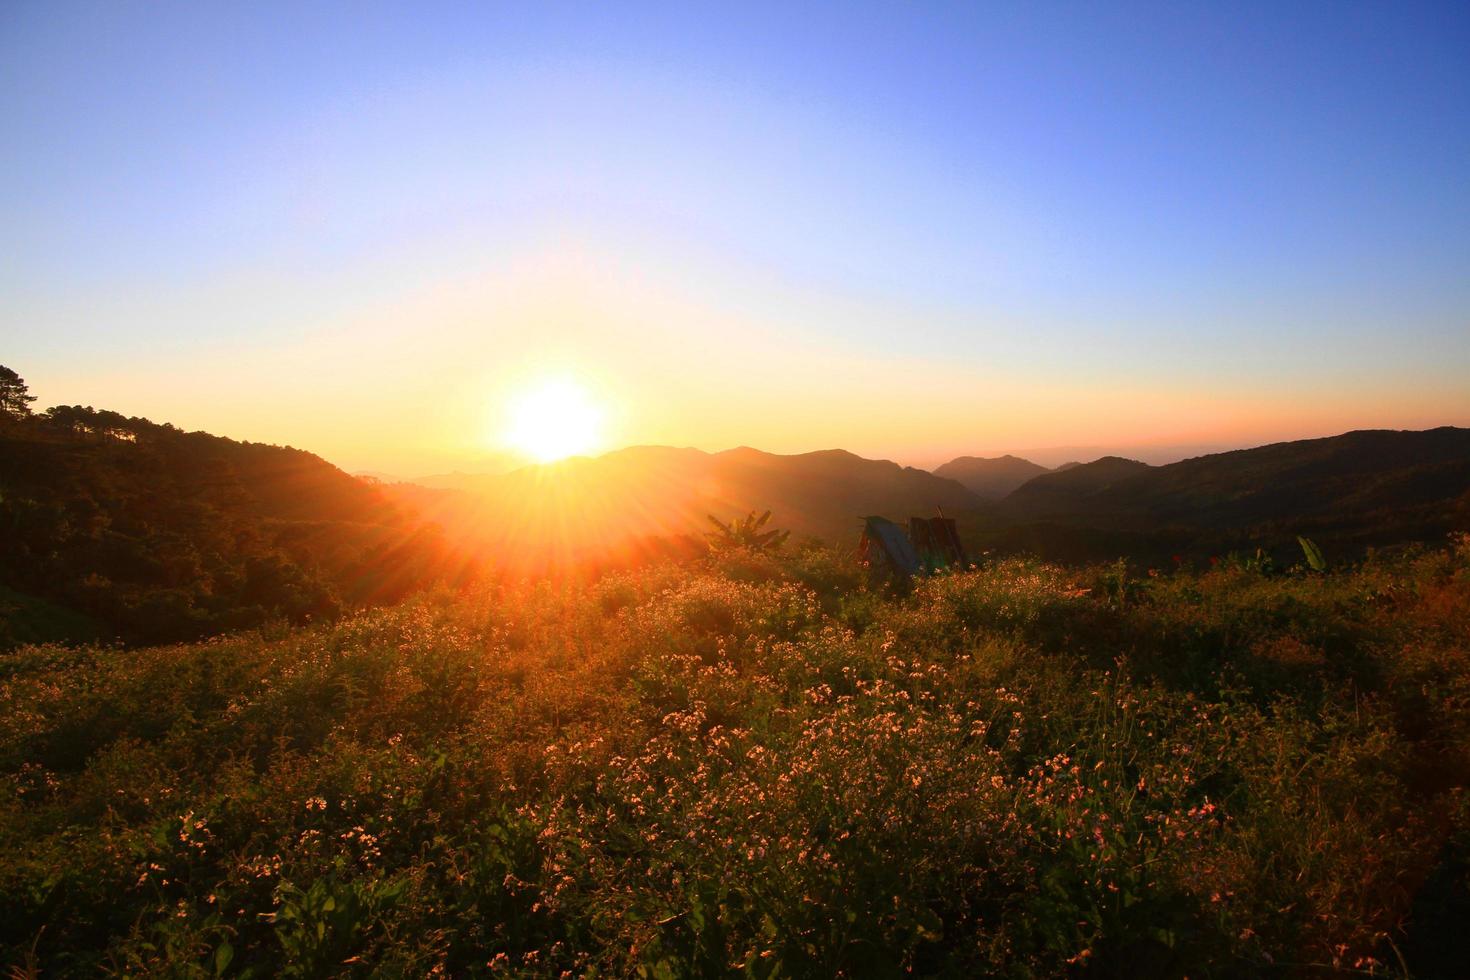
x=119, y=528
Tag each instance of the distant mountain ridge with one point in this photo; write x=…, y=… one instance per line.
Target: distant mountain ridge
x=992, y=478
x=156, y=534
x=1367, y=469
x=1060, y=491
x=1362, y=488
x=583, y=508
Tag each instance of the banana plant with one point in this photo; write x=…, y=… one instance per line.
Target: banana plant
x=1313, y=553
x=745, y=532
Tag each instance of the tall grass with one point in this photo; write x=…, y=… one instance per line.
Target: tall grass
x=760, y=766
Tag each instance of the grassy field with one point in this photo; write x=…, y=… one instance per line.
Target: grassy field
x=759, y=766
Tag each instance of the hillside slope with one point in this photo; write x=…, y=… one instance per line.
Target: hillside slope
x=158, y=534
x=1069, y=491
x=1372, y=487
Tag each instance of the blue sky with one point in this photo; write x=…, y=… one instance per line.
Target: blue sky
x=1258, y=213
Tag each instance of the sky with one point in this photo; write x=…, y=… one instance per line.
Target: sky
x=909, y=230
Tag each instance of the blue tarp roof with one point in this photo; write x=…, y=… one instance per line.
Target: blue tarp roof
x=893, y=542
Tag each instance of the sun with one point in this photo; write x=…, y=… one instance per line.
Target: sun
x=554, y=419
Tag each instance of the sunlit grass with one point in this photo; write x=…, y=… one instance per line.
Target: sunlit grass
x=760, y=764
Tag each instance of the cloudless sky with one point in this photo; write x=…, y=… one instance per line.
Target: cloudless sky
x=911, y=230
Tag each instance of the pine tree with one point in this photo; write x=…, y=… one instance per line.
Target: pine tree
x=15, y=397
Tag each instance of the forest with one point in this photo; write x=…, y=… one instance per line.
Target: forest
x=116, y=528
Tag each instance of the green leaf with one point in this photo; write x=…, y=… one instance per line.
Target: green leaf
x=222, y=957
x=1313, y=553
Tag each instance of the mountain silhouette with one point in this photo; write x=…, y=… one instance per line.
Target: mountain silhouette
x=149, y=533
x=992, y=478
x=1066, y=492
x=1359, y=489
x=595, y=508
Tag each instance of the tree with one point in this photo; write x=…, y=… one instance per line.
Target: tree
x=15, y=397
x=72, y=419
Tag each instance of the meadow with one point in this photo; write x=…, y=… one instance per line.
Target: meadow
x=761, y=765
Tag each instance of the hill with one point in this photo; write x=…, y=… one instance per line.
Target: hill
x=1066, y=491
x=145, y=533
x=1359, y=489
x=643, y=498
x=990, y=478
x=122, y=528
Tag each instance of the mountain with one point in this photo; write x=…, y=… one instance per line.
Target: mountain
x=113, y=527
x=1359, y=489
x=649, y=496
x=993, y=478
x=1067, y=491
x=125, y=528
x=488, y=464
